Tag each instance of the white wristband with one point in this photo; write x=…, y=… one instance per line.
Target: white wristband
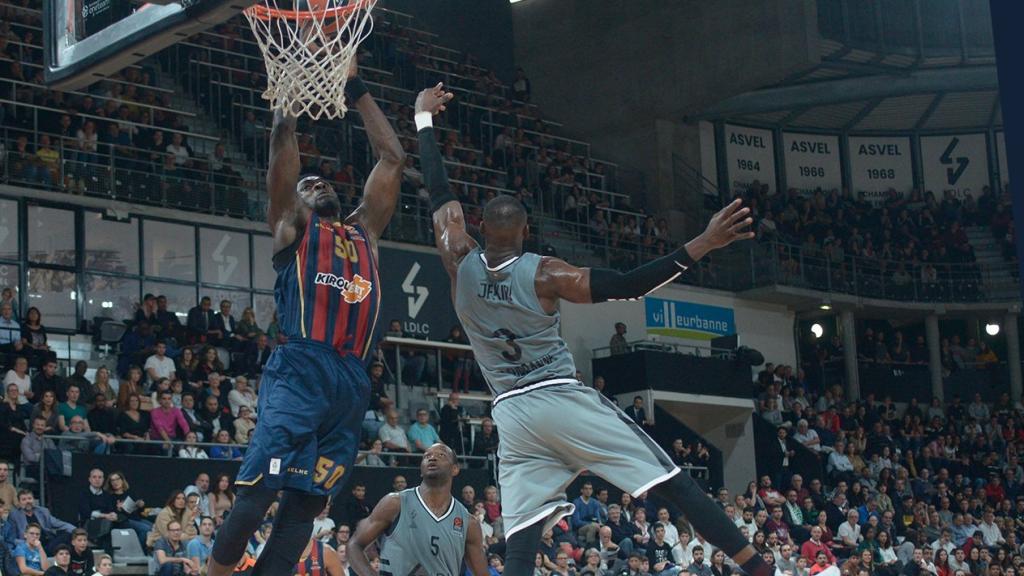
x=423, y=120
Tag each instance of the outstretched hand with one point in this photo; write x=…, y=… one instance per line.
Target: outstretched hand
x=728, y=225
x=433, y=99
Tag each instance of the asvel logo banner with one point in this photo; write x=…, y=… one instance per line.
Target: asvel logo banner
x=687, y=320
x=956, y=163
x=416, y=291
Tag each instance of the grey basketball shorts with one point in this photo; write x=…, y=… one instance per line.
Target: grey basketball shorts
x=552, y=431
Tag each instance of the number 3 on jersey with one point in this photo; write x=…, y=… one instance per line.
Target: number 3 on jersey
x=510, y=339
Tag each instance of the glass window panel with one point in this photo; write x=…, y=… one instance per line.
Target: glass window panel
x=263, y=276
x=53, y=292
x=899, y=22
x=225, y=257
x=940, y=25
x=239, y=300
x=111, y=246
x=51, y=236
x=110, y=297
x=9, y=279
x=978, y=27
x=863, y=26
x=264, y=309
x=830, y=19
x=180, y=297
x=170, y=250
x=9, y=229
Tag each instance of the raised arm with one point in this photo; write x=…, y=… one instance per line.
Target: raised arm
x=282, y=176
x=380, y=195
x=449, y=222
x=557, y=280
x=369, y=529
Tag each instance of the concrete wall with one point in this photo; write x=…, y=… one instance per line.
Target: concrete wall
x=611, y=70
x=481, y=27
x=764, y=327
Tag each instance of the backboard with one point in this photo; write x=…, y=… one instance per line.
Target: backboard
x=87, y=40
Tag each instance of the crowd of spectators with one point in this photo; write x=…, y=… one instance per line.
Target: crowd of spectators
x=905, y=246
x=125, y=135
x=893, y=489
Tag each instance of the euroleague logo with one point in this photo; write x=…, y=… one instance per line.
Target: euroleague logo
x=353, y=291
x=457, y=524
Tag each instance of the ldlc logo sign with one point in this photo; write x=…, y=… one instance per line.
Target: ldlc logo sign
x=226, y=263
x=953, y=174
x=417, y=294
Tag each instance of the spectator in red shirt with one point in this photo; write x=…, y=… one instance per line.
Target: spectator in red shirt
x=815, y=545
x=167, y=421
x=768, y=494
x=491, y=504
x=994, y=490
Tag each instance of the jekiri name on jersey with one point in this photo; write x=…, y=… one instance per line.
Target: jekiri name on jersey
x=501, y=292
x=524, y=369
x=354, y=291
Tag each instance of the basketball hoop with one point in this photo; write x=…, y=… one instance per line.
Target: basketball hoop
x=308, y=52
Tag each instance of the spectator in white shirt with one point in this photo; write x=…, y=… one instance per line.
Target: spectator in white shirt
x=323, y=526
x=671, y=532
x=806, y=436
x=242, y=395
x=392, y=435
x=159, y=366
x=178, y=149
x=990, y=530
x=848, y=535
x=19, y=377
x=838, y=462
x=748, y=521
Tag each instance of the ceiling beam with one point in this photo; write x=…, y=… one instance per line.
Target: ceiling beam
x=867, y=109
x=994, y=112
x=853, y=89
x=929, y=111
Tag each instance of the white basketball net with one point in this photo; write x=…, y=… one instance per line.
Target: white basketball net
x=308, y=53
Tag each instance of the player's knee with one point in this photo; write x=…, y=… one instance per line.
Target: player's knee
x=299, y=507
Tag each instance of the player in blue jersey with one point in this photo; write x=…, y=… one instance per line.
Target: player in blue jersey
x=315, y=389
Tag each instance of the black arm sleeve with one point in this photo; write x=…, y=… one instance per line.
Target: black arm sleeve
x=434, y=175
x=611, y=285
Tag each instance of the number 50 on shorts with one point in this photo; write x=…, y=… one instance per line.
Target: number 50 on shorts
x=327, y=473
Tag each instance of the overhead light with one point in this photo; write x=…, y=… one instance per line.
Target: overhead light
x=817, y=330
x=825, y=306
x=991, y=328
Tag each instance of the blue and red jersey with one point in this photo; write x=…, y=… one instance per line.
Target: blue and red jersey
x=330, y=291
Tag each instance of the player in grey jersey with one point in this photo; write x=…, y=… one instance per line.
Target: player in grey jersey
x=422, y=531
x=508, y=303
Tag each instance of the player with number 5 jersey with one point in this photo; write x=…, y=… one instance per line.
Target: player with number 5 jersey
x=422, y=531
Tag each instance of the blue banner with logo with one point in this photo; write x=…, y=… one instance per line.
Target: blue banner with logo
x=687, y=320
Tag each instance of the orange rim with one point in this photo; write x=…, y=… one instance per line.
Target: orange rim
x=264, y=12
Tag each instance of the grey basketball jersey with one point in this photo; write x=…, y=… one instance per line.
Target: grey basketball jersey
x=514, y=340
x=421, y=544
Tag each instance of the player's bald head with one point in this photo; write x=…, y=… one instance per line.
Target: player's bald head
x=505, y=212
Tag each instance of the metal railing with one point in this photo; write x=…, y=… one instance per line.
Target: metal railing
x=661, y=346
x=170, y=449
x=775, y=262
